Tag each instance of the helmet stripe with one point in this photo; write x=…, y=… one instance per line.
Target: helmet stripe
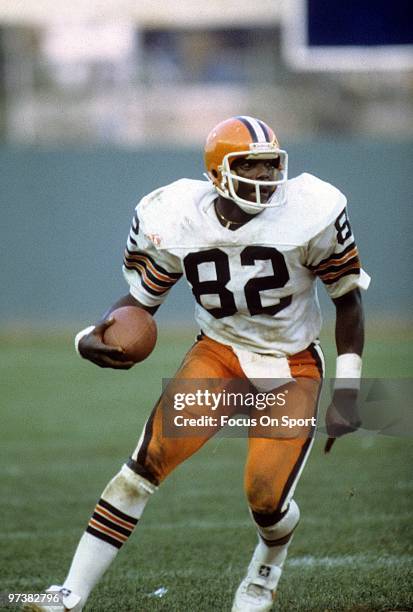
x=258, y=129
x=255, y=128
x=265, y=130
x=249, y=127
x=252, y=125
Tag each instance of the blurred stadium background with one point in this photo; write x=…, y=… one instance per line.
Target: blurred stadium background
x=103, y=101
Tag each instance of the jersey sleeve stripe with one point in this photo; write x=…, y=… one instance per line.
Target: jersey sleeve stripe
x=334, y=257
x=337, y=265
x=140, y=262
x=151, y=287
x=338, y=260
x=354, y=271
x=159, y=270
x=336, y=269
x=132, y=240
x=352, y=268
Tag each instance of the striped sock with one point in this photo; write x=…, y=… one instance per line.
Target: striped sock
x=110, y=524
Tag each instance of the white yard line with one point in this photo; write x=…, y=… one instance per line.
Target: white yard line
x=308, y=561
x=305, y=562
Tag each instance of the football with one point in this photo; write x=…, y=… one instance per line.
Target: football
x=134, y=330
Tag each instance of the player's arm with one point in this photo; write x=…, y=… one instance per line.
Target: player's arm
x=349, y=323
x=129, y=300
x=342, y=415
x=150, y=274
x=90, y=344
x=333, y=257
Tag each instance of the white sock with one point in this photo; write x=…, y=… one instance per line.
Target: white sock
x=274, y=540
x=112, y=522
x=91, y=560
x=271, y=555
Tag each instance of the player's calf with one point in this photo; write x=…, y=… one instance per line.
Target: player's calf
x=111, y=524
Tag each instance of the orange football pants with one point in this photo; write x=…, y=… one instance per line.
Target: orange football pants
x=275, y=456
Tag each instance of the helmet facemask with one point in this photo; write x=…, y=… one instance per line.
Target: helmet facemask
x=227, y=188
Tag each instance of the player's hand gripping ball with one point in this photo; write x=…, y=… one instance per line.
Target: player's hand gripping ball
x=134, y=330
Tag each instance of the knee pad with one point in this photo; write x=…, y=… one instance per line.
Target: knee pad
x=277, y=529
x=129, y=490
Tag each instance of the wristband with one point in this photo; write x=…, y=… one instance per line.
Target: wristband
x=82, y=334
x=348, y=371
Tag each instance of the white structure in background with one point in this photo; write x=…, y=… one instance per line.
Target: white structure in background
x=93, y=61
x=73, y=49
x=84, y=73
x=144, y=13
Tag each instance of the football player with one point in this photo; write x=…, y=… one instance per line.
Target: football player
x=251, y=243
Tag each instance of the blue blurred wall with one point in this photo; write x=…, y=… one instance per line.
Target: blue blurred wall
x=66, y=213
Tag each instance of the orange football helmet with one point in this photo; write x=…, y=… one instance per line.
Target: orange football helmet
x=239, y=137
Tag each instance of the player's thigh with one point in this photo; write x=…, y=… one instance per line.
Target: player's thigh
x=162, y=445
x=278, y=449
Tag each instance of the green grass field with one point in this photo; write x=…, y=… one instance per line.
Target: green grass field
x=66, y=428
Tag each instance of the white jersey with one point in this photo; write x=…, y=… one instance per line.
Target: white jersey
x=255, y=287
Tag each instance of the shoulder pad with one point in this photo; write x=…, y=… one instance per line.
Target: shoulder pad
x=164, y=212
x=314, y=204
